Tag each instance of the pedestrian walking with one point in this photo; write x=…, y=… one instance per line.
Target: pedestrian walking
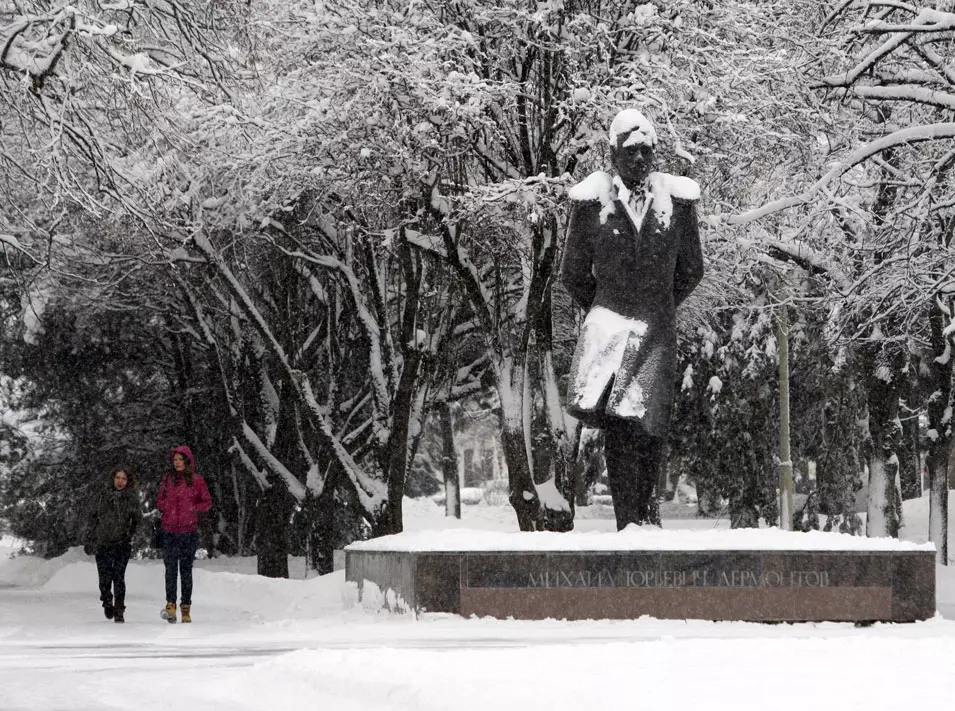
x=183, y=495
x=113, y=520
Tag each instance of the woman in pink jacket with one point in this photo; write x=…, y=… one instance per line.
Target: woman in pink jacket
x=183, y=494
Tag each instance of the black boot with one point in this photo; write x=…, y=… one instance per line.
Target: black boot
x=119, y=612
x=108, y=609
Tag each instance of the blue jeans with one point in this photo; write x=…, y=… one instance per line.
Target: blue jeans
x=178, y=552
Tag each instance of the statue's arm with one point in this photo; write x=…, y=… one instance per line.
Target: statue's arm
x=577, y=268
x=689, y=262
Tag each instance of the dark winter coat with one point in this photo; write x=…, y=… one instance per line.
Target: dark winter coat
x=178, y=501
x=114, y=518
x=630, y=283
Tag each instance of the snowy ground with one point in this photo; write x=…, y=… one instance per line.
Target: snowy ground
x=294, y=644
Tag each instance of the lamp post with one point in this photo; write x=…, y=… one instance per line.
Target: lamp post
x=785, y=458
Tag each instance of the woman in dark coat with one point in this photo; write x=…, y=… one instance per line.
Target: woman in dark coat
x=183, y=495
x=114, y=518
x=632, y=256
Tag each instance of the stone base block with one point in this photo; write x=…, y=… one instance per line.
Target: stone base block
x=754, y=585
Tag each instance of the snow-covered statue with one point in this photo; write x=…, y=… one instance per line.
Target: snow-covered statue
x=632, y=256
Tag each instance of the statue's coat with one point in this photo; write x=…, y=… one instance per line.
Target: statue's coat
x=630, y=283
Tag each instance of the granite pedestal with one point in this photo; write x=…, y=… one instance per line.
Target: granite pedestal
x=722, y=575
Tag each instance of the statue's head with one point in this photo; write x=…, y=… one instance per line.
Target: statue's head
x=632, y=141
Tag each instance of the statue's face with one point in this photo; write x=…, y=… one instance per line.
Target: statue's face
x=632, y=163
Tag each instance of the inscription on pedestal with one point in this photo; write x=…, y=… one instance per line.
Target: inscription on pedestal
x=711, y=585
x=676, y=579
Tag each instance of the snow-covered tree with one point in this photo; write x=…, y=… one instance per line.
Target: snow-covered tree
x=80, y=83
x=886, y=244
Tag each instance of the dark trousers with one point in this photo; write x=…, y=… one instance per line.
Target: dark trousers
x=178, y=552
x=111, y=567
x=634, y=460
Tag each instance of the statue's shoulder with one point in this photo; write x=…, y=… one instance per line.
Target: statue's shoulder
x=596, y=187
x=677, y=187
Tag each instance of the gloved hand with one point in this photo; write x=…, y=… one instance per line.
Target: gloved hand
x=89, y=549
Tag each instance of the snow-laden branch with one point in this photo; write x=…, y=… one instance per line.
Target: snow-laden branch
x=883, y=50
x=935, y=60
x=919, y=95
x=209, y=337
x=33, y=57
x=927, y=20
x=139, y=63
x=914, y=134
x=804, y=255
x=465, y=267
x=316, y=287
x=372, y=328
x=505, y=170
x=295, y=487
x=426, y=242
x=371, y=492
x=466, y=372
x=270, y=403
x=271, y=406
x=12, y=242
x=387, y=358
x=260, y=477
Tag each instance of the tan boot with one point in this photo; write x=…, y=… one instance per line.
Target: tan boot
x=185, y=613
x=169, y=612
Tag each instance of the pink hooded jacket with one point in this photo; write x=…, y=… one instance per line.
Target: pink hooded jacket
x=180, y=503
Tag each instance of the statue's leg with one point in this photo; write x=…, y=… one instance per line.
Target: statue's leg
x=620, y=455
x=634, y=460
x=649, y=463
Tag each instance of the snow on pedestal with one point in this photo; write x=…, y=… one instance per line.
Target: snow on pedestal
x=632, y=538
x=745, y=574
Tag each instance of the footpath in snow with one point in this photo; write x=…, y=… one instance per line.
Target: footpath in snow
x=297, y=644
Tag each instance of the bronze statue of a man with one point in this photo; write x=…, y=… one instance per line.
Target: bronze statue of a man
x=632, y=256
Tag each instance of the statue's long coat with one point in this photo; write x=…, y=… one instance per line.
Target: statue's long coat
x=630, y=283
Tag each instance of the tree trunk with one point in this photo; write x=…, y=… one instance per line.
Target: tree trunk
x=523, y=494
x=272, y=514
x=588, y=464
x=241, y=510
x=182, y=357
x=708, y=503
x=449, y=462
x=396, y=454
x=321, y=526
x=881, y=368
x=939, y=471
x=938, y=386
x=910, y=470
x=882, y=515
x=744, y=515
x=553, y=461
x=555, y=438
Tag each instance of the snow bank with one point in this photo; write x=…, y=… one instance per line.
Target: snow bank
x=246, y=595
x=27, y=571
